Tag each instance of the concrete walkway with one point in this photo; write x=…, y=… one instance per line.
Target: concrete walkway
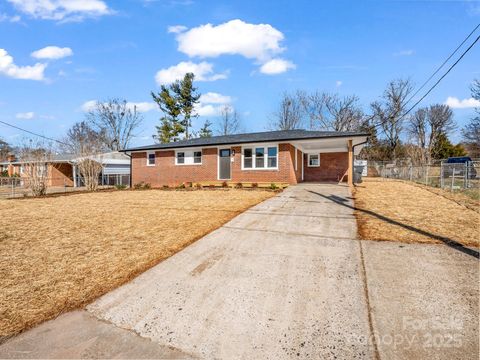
x=286, y=279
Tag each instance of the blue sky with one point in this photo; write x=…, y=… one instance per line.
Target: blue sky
x=245, y=52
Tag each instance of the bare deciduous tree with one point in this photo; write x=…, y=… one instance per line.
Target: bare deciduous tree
x=229, y=122
x=289, y=115
x=471, y=131
x=388, y=113
x=313, y=106
x=5, y=149
x=116, y=120
x=36, y=156
x=86, y=144
x=331, y=112
x=427, y=124
x=345, y=113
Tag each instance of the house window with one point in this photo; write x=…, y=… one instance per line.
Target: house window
x=272, y=157
x=197, y=157
x=313, y=160
x=180, y=158
x=151, y=159
x=188, y=157
x=261, y=157
x=247, y=158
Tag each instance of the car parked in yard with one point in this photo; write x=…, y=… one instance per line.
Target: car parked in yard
x=458, y=166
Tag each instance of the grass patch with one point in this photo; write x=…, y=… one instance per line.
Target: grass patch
x=393, y=210
x=60, y=253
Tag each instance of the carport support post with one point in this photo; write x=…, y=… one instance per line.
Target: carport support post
x=350, y=163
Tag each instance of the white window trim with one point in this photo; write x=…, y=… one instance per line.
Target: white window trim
x=265, y=147
x=185, y=152
x=308, y=160
x=148, y=155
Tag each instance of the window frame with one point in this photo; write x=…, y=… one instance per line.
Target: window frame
x=308, y=160
x=154, y=158
x=265, y=147
x=189, y=157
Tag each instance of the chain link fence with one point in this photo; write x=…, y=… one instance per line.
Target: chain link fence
x=450, y=176
x=17, y=187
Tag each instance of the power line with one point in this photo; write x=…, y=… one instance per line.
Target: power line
x=32, y=133
x=441, y=66
x=441, y=78
x=434, y=85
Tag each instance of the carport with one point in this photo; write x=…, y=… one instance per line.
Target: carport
x=337, y=155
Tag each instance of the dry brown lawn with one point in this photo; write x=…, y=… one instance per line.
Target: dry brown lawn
x=60, y=253
x=399, y=211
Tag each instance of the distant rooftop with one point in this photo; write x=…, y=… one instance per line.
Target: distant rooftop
x=266, y=136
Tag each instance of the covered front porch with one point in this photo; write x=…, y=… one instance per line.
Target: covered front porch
x=329, y=159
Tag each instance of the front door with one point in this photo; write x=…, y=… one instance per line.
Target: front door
x=224, y=164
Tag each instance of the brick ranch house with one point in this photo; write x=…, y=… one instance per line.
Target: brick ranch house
x=288, y=156
x=62, y=169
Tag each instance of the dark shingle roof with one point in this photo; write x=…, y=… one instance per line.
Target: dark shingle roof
x=266, y=136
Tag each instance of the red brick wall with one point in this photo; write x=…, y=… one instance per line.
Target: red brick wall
x=165, y=172
x=333, y=166
x=284, y=174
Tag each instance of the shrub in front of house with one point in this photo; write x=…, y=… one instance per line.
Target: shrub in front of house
x=255, y=185
x=239, y=185
x=142, y=186
x=120, y=187
x=273, y=186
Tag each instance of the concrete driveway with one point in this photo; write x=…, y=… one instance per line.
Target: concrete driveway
x=286, y=279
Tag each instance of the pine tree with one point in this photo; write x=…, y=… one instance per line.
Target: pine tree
x=177, y=99
x=205, y=131
x=170, y=127
x=186, y=96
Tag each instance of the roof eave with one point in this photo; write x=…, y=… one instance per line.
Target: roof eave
x=244, y=142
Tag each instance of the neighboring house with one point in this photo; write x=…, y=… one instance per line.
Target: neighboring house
x=62, y=170
x=289, y=156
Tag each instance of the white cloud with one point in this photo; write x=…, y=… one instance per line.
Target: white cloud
x=276, y=66
x=338, y=83
x=25, y=116
x=207, y=110
x=175, y=29
x=456, y=103
x=52, y=52
x=8, y=18
x=253, y=41
x=10, y=69
x=408, y=52
x=203, y=72
x=215, y=98
x=141, y=106
x=211, y=104
x=62, y=10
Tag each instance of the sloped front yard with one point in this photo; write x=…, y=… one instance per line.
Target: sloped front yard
x=391, y=210
x=59, y=253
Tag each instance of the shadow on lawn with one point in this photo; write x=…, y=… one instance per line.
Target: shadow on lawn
x=447, y=241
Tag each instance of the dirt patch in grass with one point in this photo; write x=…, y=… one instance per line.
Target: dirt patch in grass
x=60, y=253
x=393, y=210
